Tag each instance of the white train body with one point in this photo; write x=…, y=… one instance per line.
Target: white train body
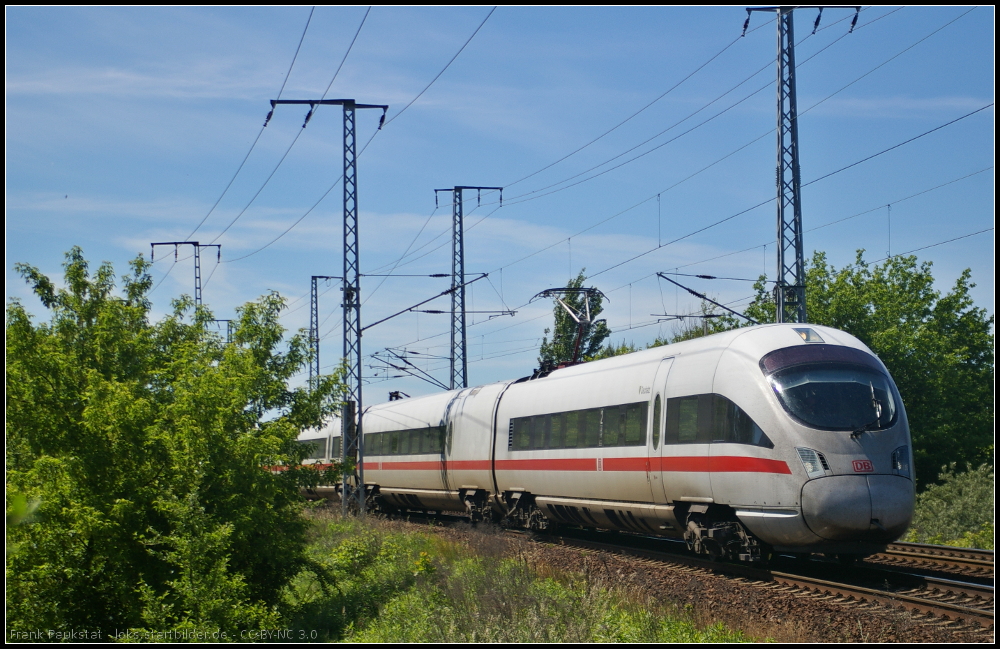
x=788, y=437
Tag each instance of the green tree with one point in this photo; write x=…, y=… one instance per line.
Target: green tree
x=938, y=348
x=959, y=510
x=564, y=331
x=138, y=459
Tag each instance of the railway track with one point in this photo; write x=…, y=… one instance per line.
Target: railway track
x=942, y=559
x=931, y=599
x=945, y=597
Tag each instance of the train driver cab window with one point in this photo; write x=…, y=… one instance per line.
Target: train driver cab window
x=836, y=396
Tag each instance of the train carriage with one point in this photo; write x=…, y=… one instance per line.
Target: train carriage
x=785, y=437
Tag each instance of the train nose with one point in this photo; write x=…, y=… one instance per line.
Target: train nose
x=874, y=508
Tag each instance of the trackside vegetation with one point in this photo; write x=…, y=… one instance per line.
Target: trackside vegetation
x=394, y=584
x=139, y=493
x=960, y=510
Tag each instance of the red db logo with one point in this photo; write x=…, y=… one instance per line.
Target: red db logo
x=863, y=466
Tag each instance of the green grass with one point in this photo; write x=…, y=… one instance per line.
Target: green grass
x=384, y=583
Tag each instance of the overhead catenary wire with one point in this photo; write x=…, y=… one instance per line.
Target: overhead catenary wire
x=823, y=177
x=525, y=321
x=703, y=169
x=298, y=134
x=360, y=152
x=259, y=133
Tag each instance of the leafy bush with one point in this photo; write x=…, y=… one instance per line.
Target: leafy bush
x=958, y=511
x=139, y=494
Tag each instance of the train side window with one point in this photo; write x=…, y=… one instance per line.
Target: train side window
x=686, y=409
x=336, y=447
x=522, y=433
x=590, y=436
x=370, y=444
x=611, y=423
x=394, y=443
x=440, y=439
x=573, y=419
x=539, y=431
x=706, y=403
x=656, y=422
x=635, y=424
x=557, y=434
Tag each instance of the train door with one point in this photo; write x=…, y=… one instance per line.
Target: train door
x=657, y=418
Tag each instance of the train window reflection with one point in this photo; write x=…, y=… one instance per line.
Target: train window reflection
x=621, y=425
x=706, y=418
x=833, y=396
x=315, y=448
x=413, y=441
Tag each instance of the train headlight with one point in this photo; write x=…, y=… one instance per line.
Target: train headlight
x=814, y=462
x=901, y=461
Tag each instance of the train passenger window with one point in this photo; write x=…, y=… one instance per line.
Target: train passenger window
x=557, y=433
x=635, y=424
x=522, y=433
x=590, y=436
x=371, y=443
x=611, y=429
x=394, y=442
x=539, y=431
x=623, y=425
x=687, y=420
x=336, y=447
x=315, y=449
x=656, y=422
x=706, y=418
x=572, y=438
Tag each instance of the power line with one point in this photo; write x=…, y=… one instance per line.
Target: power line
x=297, y=135
x=934, y=245
x=365, y=147
x=447, y=65
x=719, y=159
x=259, y=133
x=841, y=220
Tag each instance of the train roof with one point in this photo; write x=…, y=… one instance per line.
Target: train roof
x=754, y=341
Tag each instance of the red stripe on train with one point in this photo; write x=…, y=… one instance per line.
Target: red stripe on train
x=692, y=464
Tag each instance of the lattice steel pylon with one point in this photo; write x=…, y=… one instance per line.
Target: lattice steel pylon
x=790, y=286
x=314, y=328
x=459, y=374
x=352, y=447
x=790, y=290
x=197, y=259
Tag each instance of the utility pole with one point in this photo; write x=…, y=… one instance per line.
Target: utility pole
x=197, y=259
x=314, y=328
x=459, y=375
x=790, y=287
x=353, y=494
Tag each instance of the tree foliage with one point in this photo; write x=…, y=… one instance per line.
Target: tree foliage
x=959, y=510
x=938, y=348
x=138, y=457
x=564, y=330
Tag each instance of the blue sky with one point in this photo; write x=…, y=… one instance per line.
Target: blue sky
x=124, y=126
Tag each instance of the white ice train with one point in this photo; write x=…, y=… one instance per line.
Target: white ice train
x=789, y=438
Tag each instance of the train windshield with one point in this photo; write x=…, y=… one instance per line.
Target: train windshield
x=836, y=396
